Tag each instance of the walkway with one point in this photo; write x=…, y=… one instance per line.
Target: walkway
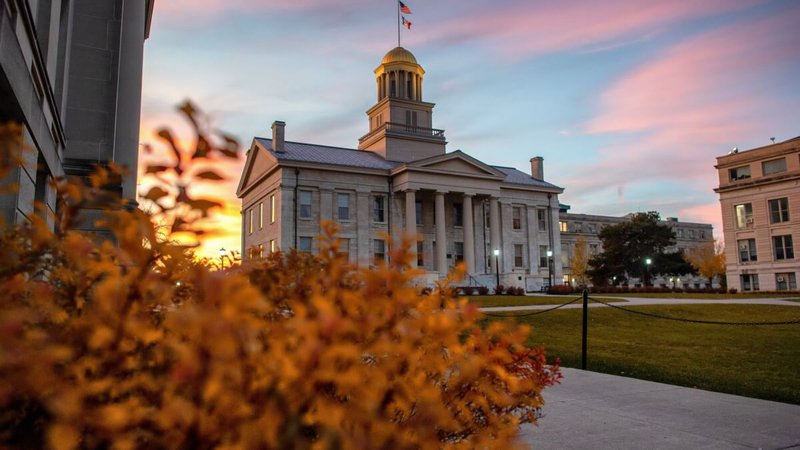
x=633, y=301
x=591, y=410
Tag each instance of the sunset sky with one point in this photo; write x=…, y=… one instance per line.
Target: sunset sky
x=628, y=101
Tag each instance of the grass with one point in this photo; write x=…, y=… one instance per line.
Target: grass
x=698, y=296
x=521, y=300
x=760, y=362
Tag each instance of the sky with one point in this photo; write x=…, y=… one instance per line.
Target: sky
x=629, y=102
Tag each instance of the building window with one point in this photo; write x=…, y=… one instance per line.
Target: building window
x=542, y=219
x=458, y=252
x=250, y=220
x=518, y=257
x=691, y=234
x=420, y=254
x=749, y=282
x=739, y=173
x=378, y=208
x=516, y=217
x=702, y=234
x=343, y=202
x=773, y=166
x=779, y=210
x=344, y=248
x=744, y=215
x=458, y=215
x=272, y=208
x=260, y=215
x=305, y=204
x=411, y=119
x=592, y=228
x=260, y=250
x=680, y=233
x=578, y=227
x=543, y=256
x=783, y=247
x=304, y=243
x=563, y=227
x=785, y=282
x=272, y=245
x=418, y=208
x=747, y=250
x=593, y=249
x=379, y=250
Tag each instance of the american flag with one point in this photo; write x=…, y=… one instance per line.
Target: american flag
x=405, y=9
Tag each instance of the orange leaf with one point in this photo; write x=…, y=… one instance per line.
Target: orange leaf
x=210, y=175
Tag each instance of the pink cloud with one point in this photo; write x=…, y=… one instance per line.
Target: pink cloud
x=705, y=213
x=540, y=27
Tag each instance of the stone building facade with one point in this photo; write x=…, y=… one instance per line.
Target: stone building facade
x=759, y=193
x=401, y=181
x=71, y=73
x=587, y=226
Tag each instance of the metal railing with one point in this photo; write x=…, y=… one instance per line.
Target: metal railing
x=402, y=128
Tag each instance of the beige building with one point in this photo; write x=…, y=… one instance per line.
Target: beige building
x=759, y=192
x=401, y=181
x=71, y=73
x=587, y=226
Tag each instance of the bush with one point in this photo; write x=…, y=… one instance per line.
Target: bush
x=139, y=345
x=483, y=290
x=560, y=289
x=732, y=291
x=499, y=290
x=467, y=290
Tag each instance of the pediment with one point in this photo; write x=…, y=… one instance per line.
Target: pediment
x=456, y=162
x=259, y=161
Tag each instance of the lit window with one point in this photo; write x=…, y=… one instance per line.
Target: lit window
x=379, y=208
x=305, y=204
x=774, y=166
x=250, y=220
x=260, y=250
x=783, y=247
x=747, y=250
x=260, y=215
x=458, y=214
x=272, y=245
x=779, y=210
x=304, y=243
x=343, y=201
x=563, y=226
x=272, y=208
x=379, y=250
x=516, y=217
x=518, y=256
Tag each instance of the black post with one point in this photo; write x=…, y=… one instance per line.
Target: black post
x=585, y=327
x=497, y=268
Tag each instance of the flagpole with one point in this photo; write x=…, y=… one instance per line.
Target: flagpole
x=398, y=23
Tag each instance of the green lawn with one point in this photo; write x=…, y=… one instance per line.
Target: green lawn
x=761, y=362
x=699, y=296
x=521, y=300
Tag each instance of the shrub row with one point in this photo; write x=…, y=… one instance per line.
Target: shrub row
x=483, y=290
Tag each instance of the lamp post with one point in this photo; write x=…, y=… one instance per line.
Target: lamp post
x=647, y=263
x=497, y=265
x=550, y=267
x=222, y=253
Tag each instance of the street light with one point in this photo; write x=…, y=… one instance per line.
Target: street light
x=497, y=265
x=550, y=267
x=222, y=253
x=647, y=263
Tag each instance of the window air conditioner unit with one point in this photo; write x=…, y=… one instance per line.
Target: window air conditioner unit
x=779, y=279
x=749, y=220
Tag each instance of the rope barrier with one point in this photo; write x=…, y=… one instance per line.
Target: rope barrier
x=533, y=313
x=681, y=319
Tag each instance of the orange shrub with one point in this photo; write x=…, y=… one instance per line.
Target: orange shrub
x=135, y=345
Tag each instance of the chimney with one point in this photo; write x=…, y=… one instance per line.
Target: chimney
x=278, y=141
x=537, y=167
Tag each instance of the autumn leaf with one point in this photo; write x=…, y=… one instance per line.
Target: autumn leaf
x=210, y=175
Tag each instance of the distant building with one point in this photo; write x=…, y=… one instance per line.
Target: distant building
x=402, y=181
x=759, y=192
x=574, y=226
x=71, y=72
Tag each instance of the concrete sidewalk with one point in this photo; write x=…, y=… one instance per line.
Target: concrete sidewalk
x=590, y=410
x=637, y=301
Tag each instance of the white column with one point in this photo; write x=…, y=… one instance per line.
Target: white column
x=441, y=236
x=494, y=236
x=411, y=226
x=469, y=235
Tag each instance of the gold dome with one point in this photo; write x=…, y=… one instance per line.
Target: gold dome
x=399, y=54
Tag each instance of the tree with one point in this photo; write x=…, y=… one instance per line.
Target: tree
x=627, y=245
x=708, y=259
x=580, y=261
